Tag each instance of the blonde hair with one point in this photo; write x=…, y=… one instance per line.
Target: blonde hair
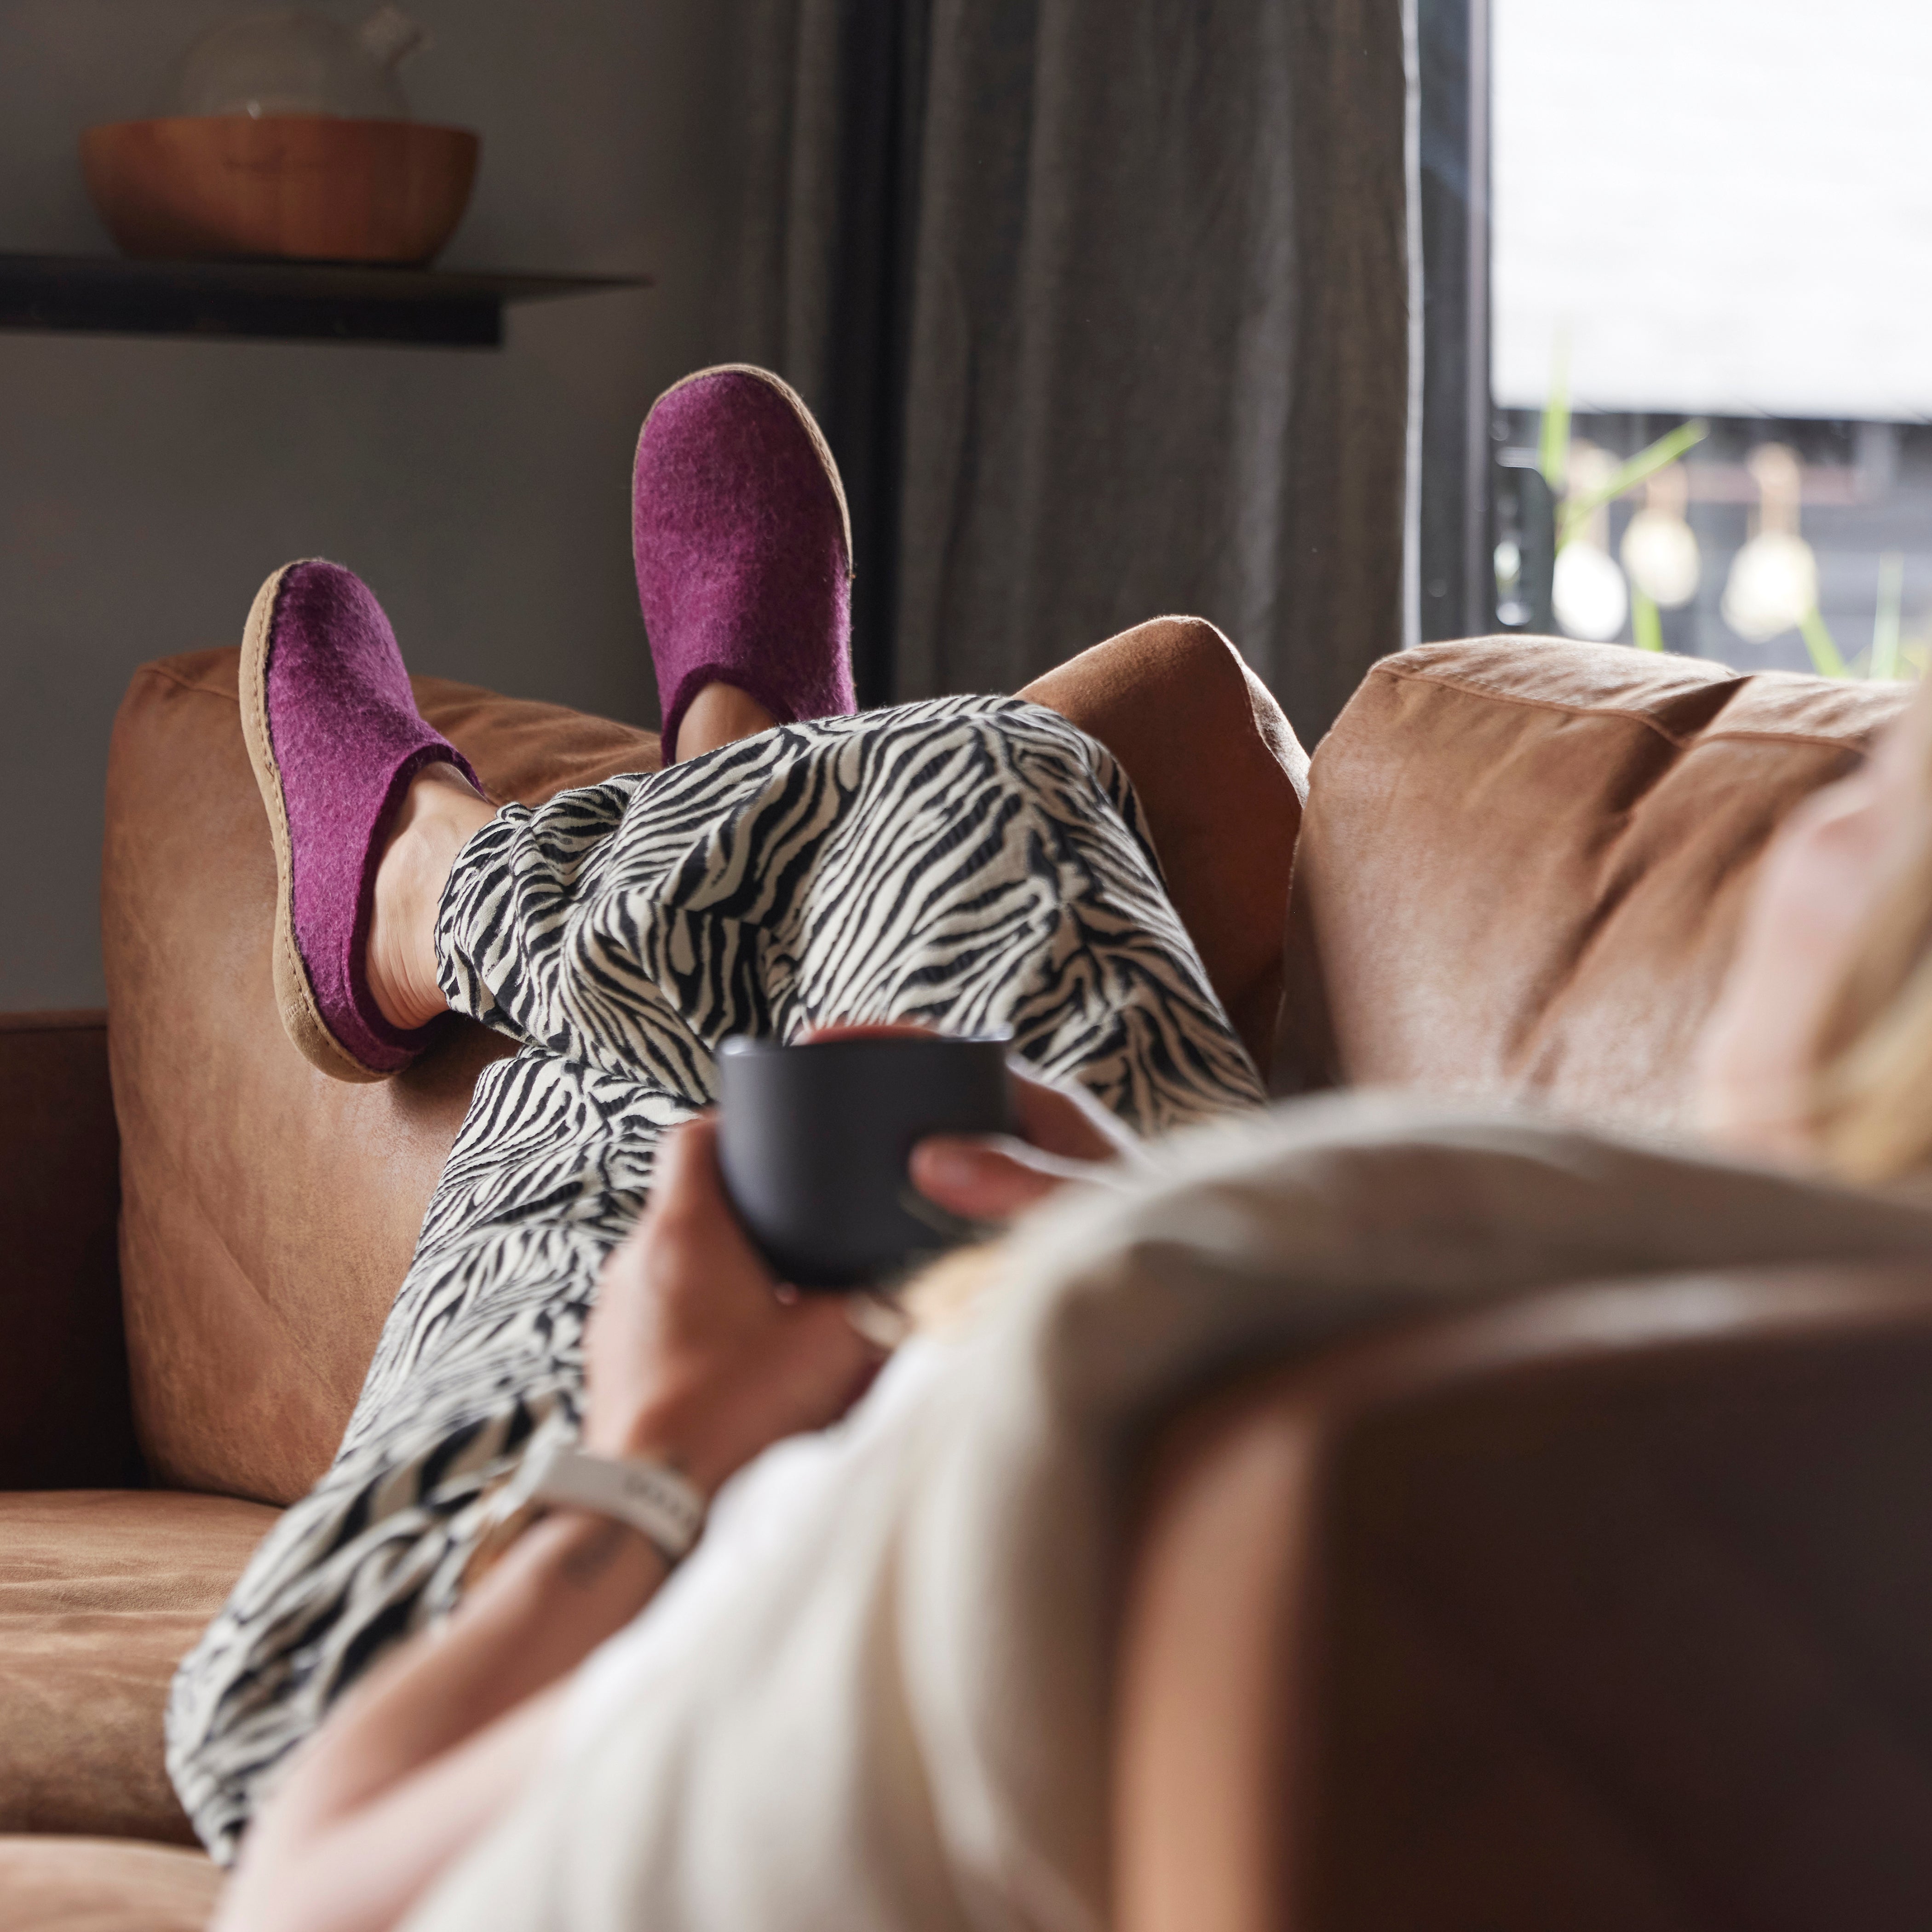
x=1871, y=1111
x=944, y=1295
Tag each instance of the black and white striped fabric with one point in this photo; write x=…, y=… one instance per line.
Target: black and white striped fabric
x=971, y=863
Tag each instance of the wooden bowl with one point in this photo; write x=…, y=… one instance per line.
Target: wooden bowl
x=309, y=187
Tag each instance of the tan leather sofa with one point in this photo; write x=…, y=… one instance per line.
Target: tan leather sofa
x=1606, y=1608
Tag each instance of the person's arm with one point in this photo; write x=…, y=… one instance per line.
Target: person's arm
x=413, y=1764
x=695, y=1359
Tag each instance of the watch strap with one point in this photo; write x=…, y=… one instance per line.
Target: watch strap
x=649, y=1497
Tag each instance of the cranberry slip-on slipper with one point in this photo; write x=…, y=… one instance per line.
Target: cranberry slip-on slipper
x=334, y=737
x=743, y=548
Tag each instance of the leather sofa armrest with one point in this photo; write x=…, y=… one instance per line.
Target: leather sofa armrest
x=1603, y=1609
x=65, y=1421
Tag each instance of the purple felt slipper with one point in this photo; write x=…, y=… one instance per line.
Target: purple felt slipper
x=334, y=736
x=743, y=548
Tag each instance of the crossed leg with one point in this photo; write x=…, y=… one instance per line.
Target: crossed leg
x=969, y=863
x=1220, y=776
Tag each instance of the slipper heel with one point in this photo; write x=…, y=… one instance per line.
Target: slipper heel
x=334, y=740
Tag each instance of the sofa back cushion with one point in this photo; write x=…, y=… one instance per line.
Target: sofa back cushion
x=269, y=1213
x=1522, y=864
x=1519, y=874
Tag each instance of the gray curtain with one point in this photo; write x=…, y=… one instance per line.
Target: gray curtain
x=1105, y=305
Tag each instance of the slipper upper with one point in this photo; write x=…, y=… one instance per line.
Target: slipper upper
x=742, y=549
x=347, y=740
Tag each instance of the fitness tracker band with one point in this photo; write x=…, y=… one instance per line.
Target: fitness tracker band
x=650, y=1498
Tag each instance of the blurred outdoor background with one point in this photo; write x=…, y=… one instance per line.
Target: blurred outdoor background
x=1712, y=327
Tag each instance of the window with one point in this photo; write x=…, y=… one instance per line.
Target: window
x=1711, y=290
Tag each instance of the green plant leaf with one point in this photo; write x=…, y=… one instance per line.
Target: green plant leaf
x=1646, y=627
x=1644, y=465
x=1553, y=440
x=1825, y=658
x=1891, y=609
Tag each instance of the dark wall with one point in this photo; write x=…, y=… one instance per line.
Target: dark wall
x=147, y=487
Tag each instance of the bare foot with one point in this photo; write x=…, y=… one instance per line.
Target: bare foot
x=721, y=714
x=440, y=814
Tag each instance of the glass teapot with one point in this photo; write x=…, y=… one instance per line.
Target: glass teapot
x=291, y=62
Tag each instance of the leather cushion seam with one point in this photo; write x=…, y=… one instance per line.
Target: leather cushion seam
x=1712, y=735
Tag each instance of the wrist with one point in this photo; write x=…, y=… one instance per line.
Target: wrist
x=663, y=1433
x=589, y=1546
x=644, y=1493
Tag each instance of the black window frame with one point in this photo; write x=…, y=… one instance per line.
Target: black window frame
x=1456, y=548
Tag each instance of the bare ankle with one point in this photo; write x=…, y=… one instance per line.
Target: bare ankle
x=439, y=814
x=721, y=714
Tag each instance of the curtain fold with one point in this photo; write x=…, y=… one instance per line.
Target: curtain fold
x=1105, y=306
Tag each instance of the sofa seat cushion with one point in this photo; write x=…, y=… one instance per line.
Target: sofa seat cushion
x=96, y=1885
x=102, y=1591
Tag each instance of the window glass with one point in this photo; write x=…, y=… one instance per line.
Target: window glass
x=1712, y=327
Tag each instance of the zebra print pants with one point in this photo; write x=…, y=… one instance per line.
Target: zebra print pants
x=972, y=863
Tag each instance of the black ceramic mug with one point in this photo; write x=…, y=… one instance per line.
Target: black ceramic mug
x=813, y=1140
